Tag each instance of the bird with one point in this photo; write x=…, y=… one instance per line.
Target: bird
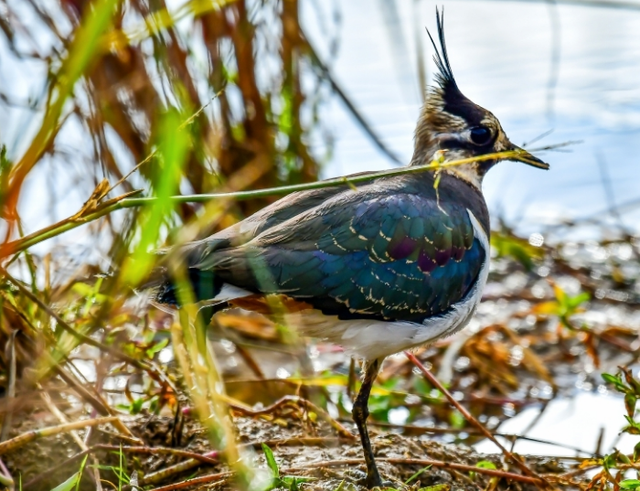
x=379, y=267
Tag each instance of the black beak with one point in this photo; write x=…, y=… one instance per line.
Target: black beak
x=521, y=155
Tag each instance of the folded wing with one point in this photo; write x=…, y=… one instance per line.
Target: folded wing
x=389, y=257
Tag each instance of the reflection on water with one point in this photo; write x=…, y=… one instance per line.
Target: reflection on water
x=572, y=424
x=503, y=57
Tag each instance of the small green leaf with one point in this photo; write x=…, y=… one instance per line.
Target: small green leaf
x=80, y=472
x=136, y=406
x=616, y=381
x=69, y=484
x=609, y=461
x=612, y=379
x=421, y=386
x=633, y=427
x=292, y=482
x=156, y=348
x=630, y=401
x=483, y=464
x=154, y=405
x=417, y=474
x=623, y=458
x=271, y=461
x=630, y=484
x=456, y=419
x=636, y=451
x=573, y=302
x=506, y=244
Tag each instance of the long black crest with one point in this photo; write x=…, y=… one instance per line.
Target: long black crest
x=445, y=75
x=455, y=102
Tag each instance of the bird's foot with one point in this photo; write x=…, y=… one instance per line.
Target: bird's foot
x=370, y=481
x=373, y=481
x=361, y=478
x=378, y=484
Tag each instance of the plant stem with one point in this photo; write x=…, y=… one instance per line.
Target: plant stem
x=119, y=204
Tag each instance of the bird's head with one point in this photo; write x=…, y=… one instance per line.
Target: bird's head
x=460, y=129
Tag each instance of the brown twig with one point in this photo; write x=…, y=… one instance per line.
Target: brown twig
x=93, y=399
x=577, y=472
x=250, y=361
x=218, y=478
x=127, y=440
x=208, y=458
x=172, y=470
x=166, y=472
x=469, y=417
x=32, y=435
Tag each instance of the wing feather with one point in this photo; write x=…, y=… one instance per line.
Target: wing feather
x=400, y=257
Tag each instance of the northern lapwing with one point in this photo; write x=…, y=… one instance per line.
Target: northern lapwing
x=393, y=264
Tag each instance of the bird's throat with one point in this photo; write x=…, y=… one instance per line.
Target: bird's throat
x=470, y=173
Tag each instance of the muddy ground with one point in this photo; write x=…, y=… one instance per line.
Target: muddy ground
x=303, y=449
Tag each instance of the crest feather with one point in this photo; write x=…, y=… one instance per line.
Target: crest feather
x=445, y=76
x=447, y=99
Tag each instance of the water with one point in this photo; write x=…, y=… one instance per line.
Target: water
x=570, y=424
x=567, y=68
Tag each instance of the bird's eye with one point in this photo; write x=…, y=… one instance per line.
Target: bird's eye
x=480, y=135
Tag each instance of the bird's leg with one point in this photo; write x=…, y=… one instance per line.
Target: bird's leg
x=360, y=413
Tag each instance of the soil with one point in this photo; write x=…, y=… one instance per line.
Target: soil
x=301, y=448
